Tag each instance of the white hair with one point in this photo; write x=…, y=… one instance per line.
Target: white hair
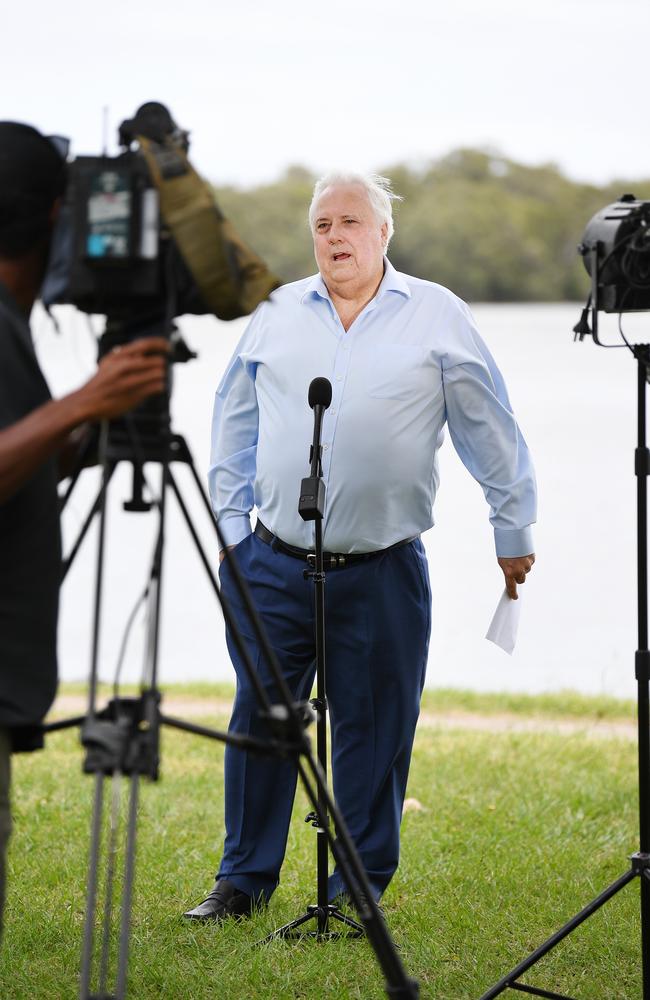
x=378, y=189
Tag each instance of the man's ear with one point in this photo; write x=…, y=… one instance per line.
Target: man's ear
x=384, y=234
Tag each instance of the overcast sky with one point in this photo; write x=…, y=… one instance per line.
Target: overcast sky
x=262, y=84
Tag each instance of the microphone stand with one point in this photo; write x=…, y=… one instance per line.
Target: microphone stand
x=311, y=507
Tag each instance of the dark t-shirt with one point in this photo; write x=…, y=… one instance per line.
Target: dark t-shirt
x=30, y=548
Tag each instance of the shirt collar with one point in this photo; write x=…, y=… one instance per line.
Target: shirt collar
x=393, y=281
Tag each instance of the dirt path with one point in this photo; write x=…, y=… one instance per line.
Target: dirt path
x=194, y=708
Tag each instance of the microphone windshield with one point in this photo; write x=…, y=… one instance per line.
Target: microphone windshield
x=320, y=393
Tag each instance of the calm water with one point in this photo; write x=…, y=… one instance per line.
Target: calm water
x=576, y=404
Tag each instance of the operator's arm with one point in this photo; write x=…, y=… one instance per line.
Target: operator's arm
x=233, y=456
x=123, y=379
x=78, y=450
x=491, y=446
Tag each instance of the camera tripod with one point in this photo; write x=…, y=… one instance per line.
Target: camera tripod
x=640, y=861
x=123, y=738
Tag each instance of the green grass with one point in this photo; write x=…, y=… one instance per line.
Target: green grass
x=563, y=704
x=517, y=832
x=197, y=689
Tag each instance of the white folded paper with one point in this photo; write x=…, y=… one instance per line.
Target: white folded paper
x=503, y=627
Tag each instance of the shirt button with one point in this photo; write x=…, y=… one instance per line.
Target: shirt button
x=325, y=447
x=333, y=411
x=339, y=378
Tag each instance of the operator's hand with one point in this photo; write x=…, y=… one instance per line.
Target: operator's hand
x=515, y=571
x=125, y=377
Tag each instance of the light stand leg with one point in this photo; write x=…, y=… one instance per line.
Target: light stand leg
x=510, y=980
x=642, y=664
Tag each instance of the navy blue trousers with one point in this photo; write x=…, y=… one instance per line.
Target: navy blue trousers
x=377, y=626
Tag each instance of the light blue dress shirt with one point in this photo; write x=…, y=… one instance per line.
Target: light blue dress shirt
x=411, y=362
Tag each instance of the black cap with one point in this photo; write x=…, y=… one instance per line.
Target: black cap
x=32, y=177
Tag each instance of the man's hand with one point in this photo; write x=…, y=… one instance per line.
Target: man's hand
x=125, y=377
x=515, y=571
x=222, y=554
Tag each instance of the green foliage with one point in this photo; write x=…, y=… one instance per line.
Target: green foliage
x=273, y=220
x=489, y=228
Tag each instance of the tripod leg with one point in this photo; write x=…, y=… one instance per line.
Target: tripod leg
x=201, y=488
x=193, y=532
x=342, y=847
x=262, y=697
x=107, y=472
x=150, y=671
x=67, y=562
x=110, y=881
x=127, y=892
x=91, y=898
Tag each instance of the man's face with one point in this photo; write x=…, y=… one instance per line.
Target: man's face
x=349, y=242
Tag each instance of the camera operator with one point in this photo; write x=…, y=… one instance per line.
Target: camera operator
x=39, y=438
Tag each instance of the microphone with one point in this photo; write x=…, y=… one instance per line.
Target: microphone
x=320, y=393
x=311, y=504
x=319, y=398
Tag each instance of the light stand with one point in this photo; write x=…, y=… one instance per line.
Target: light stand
x=123, y=738
x=640, y=861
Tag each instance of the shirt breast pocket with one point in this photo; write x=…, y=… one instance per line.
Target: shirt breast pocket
x=397, y=371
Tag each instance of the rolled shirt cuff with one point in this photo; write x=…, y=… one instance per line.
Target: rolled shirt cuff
x=513, y=542
x=234, y=528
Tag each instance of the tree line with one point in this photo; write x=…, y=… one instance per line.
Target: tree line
x=491, y=229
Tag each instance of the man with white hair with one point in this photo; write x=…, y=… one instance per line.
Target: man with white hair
x=404, y=357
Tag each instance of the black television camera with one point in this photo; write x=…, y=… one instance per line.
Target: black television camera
x=141, y=239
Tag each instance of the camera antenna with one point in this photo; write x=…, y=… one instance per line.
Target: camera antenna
x=105, y=112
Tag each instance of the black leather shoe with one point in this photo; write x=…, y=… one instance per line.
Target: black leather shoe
x=224, y=901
